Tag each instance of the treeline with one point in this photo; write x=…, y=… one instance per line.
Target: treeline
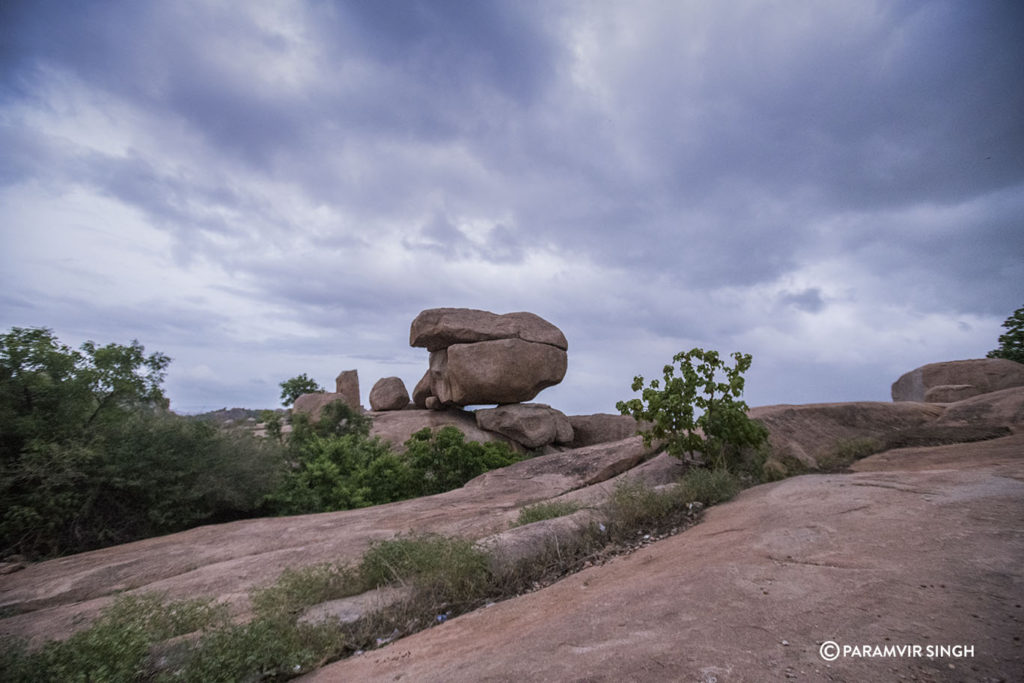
x=90, y=456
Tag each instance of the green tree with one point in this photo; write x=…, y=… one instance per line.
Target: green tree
x=1011, y=344
x=90, y=457
x=292, y=388
x=698, y=410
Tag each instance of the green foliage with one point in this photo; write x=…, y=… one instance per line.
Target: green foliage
x=115, y=647
x=334, y=465
x=549, y=510
x=292, y=388
x=452, y=570
x=695, y=412
x=51, y=393
x=90, y=457
x=1011, y=344
x=441, y=461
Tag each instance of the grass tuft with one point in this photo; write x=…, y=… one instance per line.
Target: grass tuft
x=541, y=511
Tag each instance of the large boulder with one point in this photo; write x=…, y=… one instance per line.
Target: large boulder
x=479, y=358
x=439, y=328
x=313, y=404
x=532, y=425
x=389, y=393
x=600, y=428
x=956, y=380
x=500, y=371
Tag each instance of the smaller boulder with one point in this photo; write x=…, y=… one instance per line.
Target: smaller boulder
x=389, y=393
x=532, y=425
x=601, y=428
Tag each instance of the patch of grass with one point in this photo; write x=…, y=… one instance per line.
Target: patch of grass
x=847, y=451
x=541, y=511
x=449, y=571
x=298, y=589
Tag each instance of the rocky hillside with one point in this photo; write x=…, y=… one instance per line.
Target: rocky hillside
x=920, y=544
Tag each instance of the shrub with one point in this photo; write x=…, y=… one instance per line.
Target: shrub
x=721, y=429
x=441, y=461
x=450, y=570
x=709, y=487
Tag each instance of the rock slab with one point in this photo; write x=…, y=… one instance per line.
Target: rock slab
x=957, y=380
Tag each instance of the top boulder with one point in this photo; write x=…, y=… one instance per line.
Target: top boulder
x=439, y=328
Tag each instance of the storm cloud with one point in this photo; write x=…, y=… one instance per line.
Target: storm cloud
x=262, y=189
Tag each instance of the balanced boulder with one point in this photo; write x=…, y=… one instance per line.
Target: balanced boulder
x=532, y=425
x=389, y=393
x=478, y=357
x=956, y=380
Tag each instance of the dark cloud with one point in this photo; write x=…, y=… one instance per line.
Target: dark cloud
x=648, y=178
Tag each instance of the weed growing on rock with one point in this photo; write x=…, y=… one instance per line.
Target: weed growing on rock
x=542, y=511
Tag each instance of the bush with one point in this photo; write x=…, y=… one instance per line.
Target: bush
x=709, y=487
x=441, y=461
x=721, y=429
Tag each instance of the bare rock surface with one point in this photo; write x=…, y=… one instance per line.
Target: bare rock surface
x=439, y=328
x=530, y=424
x=809, y=432
x=957, y=380
x=389, y=393
x=51, y=599
x=923, y=556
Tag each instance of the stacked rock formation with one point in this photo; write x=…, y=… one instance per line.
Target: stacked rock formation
x=479, y=358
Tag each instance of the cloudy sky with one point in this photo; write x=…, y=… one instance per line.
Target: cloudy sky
x=261, y=189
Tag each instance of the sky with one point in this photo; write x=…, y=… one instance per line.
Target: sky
x=263, y=189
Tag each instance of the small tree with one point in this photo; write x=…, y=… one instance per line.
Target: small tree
x=292, y=388
x=1011, y=344
x=694, y=412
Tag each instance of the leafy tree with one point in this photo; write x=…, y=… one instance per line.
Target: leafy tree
x=89, y=457
x=292, y=388
x=1011, y=344
x=695, y=412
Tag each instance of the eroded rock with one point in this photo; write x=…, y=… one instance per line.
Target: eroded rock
x=531, y=424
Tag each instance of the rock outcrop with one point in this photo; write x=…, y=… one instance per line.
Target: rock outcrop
x=956, y=380
x=313, y=404
x=600, y=428
x=389, y=393
x=531, y=424
x=347, y=384
x=480, y=358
